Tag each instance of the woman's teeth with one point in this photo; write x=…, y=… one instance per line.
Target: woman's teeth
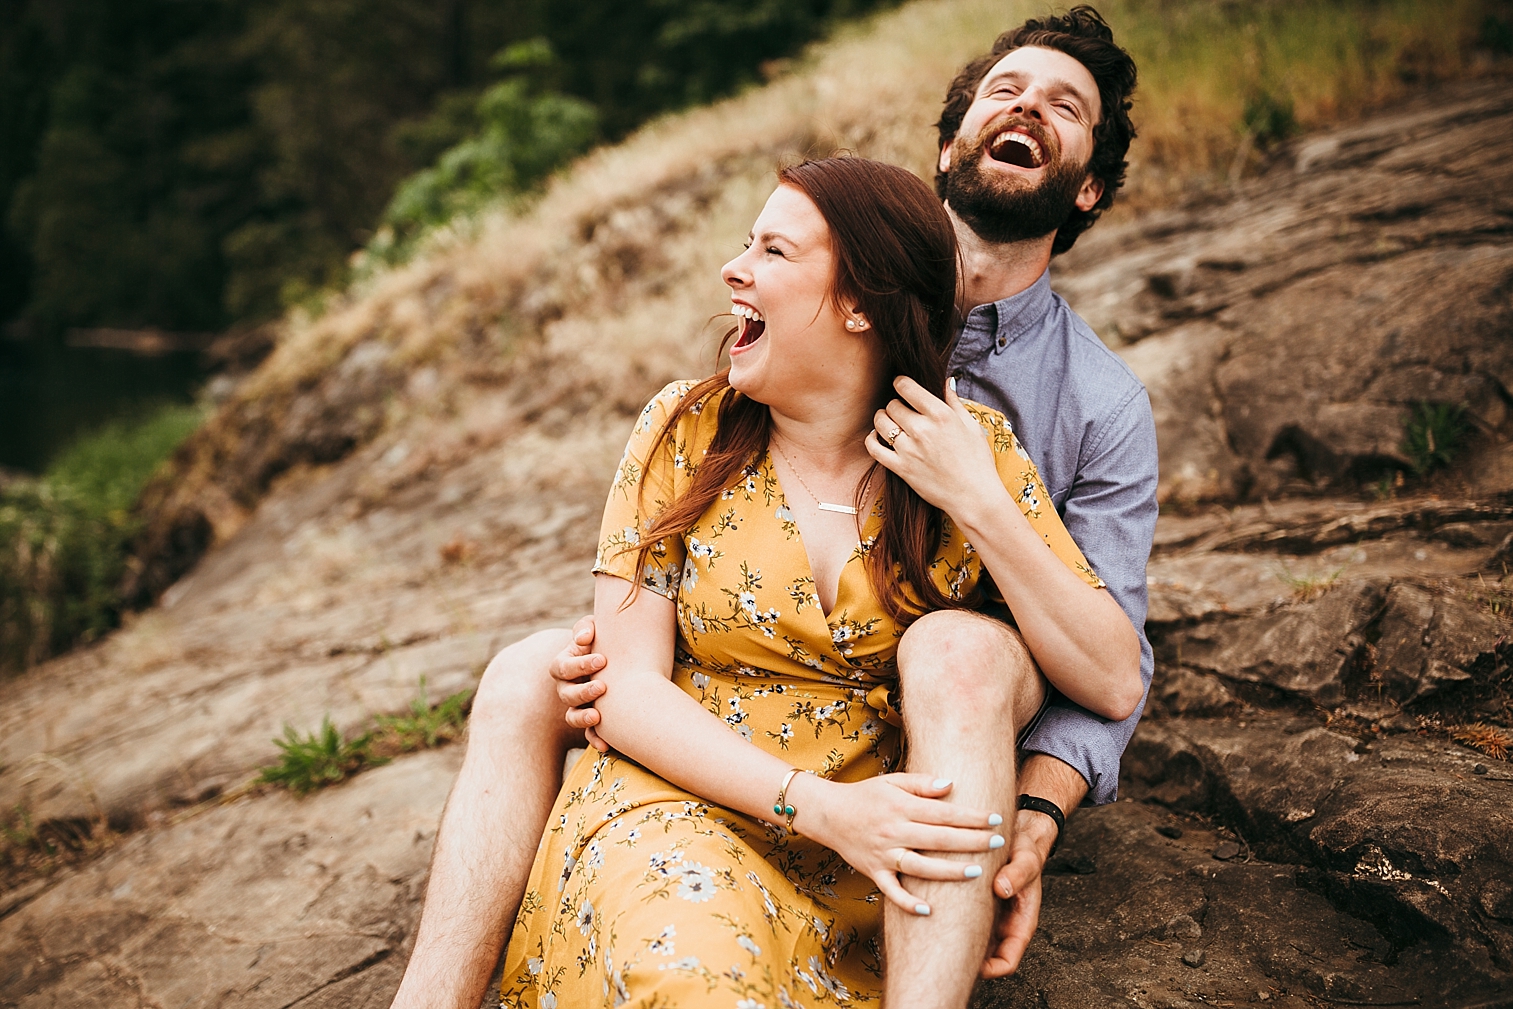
x=751, y=327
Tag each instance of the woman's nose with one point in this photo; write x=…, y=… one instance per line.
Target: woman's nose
x=734, y=275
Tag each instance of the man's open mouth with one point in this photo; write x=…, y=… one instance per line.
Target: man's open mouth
x=752, y=324
x=1017, y=148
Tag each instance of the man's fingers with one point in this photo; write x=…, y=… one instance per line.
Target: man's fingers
x=1021, y=871
x=576, y=695
x=1012, y=931
x=582, y=718
x=570, y=669
x=583, y=631
x=595, y=740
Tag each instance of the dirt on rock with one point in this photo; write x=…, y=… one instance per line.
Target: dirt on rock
x=1314, y=812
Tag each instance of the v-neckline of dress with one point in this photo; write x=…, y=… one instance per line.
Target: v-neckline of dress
x=798, y=539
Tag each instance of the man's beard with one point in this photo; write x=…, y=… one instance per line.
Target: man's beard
x=1000, y=212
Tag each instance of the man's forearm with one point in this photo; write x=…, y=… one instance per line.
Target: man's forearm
x=1049, y=778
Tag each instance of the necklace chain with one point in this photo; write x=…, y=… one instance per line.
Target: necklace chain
x=823, y=505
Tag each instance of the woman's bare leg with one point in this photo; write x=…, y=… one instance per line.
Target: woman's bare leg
x=490, y=827
x=969, y=685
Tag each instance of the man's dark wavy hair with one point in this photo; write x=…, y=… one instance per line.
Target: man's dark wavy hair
x=1082, y=34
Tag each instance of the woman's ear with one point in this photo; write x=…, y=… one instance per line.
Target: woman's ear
x=856, y=321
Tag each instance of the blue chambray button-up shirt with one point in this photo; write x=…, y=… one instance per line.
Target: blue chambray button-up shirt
x=1086, y=420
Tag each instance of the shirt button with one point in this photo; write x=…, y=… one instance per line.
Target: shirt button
x=1001, y=341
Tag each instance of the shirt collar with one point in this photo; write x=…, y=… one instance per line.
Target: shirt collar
x=994, y=326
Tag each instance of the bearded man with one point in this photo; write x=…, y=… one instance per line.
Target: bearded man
x=1033, y=139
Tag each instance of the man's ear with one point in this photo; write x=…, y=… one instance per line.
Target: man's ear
x=944, y=164
x=1090, y=193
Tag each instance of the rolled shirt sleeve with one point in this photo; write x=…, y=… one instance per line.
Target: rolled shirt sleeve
x=1111, y=513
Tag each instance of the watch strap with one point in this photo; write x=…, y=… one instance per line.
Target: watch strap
x=1049, y=808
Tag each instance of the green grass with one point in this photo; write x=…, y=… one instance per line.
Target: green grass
x=317, y=759
x=423, y=726
x=1222, y=83
x=64, y=536
x=1433, y=436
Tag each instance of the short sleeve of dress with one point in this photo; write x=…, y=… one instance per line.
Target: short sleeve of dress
x=1022, y=478
x=645, y=483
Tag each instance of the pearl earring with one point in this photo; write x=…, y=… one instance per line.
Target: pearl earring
x=851, y=324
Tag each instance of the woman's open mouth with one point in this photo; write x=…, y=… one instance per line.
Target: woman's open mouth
x=752, y=325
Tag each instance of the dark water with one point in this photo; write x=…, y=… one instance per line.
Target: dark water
x=51, y=394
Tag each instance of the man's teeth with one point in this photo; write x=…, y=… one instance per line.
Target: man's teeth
x=746, y=312
x=1037, y=157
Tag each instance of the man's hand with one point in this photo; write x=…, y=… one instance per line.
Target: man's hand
x=574, y=668
x=1018, y=886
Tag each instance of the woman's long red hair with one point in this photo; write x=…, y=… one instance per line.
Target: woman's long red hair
x=896, y=260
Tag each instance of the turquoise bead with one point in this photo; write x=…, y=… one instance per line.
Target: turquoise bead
x=787, y=810
x=778, y=810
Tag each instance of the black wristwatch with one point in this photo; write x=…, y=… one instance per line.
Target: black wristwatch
x=1050, y=809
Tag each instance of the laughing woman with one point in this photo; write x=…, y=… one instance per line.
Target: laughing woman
x=758, y=563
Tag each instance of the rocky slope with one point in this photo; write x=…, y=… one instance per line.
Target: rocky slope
x=1298, y=824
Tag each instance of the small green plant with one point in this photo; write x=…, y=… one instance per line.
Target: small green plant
x=423, y=726
x=324, y=758
x=1433, y=435
x=316, y=760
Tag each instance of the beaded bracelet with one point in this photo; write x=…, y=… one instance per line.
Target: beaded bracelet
x=783, y=807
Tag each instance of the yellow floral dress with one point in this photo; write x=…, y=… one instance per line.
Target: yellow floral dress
x=645, y=894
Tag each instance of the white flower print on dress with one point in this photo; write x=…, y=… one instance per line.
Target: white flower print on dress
x=749, y=945
x=697, y=884
x=585, y=917
x=663, y=944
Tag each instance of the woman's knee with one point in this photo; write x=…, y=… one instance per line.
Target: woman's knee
x=517, y=682
x=963, y=659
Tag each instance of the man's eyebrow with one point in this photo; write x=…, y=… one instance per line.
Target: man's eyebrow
x=1055, y=84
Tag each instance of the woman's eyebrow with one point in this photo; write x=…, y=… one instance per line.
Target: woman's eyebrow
x=768, y=236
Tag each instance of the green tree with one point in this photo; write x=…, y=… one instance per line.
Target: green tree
x=522, y=133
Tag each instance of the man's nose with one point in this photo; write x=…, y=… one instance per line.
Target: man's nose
x=1031, y=103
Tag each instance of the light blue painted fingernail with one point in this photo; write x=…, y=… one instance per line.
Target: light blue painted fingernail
x=972, y=871
x=940, y=783
x=994, y=819
x=922, y=909
x=996, y=841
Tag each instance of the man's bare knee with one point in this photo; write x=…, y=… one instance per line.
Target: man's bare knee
x=517, y=682
x=957, y=660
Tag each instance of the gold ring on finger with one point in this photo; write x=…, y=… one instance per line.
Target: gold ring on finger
x=898, y=861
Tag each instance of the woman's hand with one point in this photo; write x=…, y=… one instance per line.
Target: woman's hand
x=937, y=447
x=880, y=826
